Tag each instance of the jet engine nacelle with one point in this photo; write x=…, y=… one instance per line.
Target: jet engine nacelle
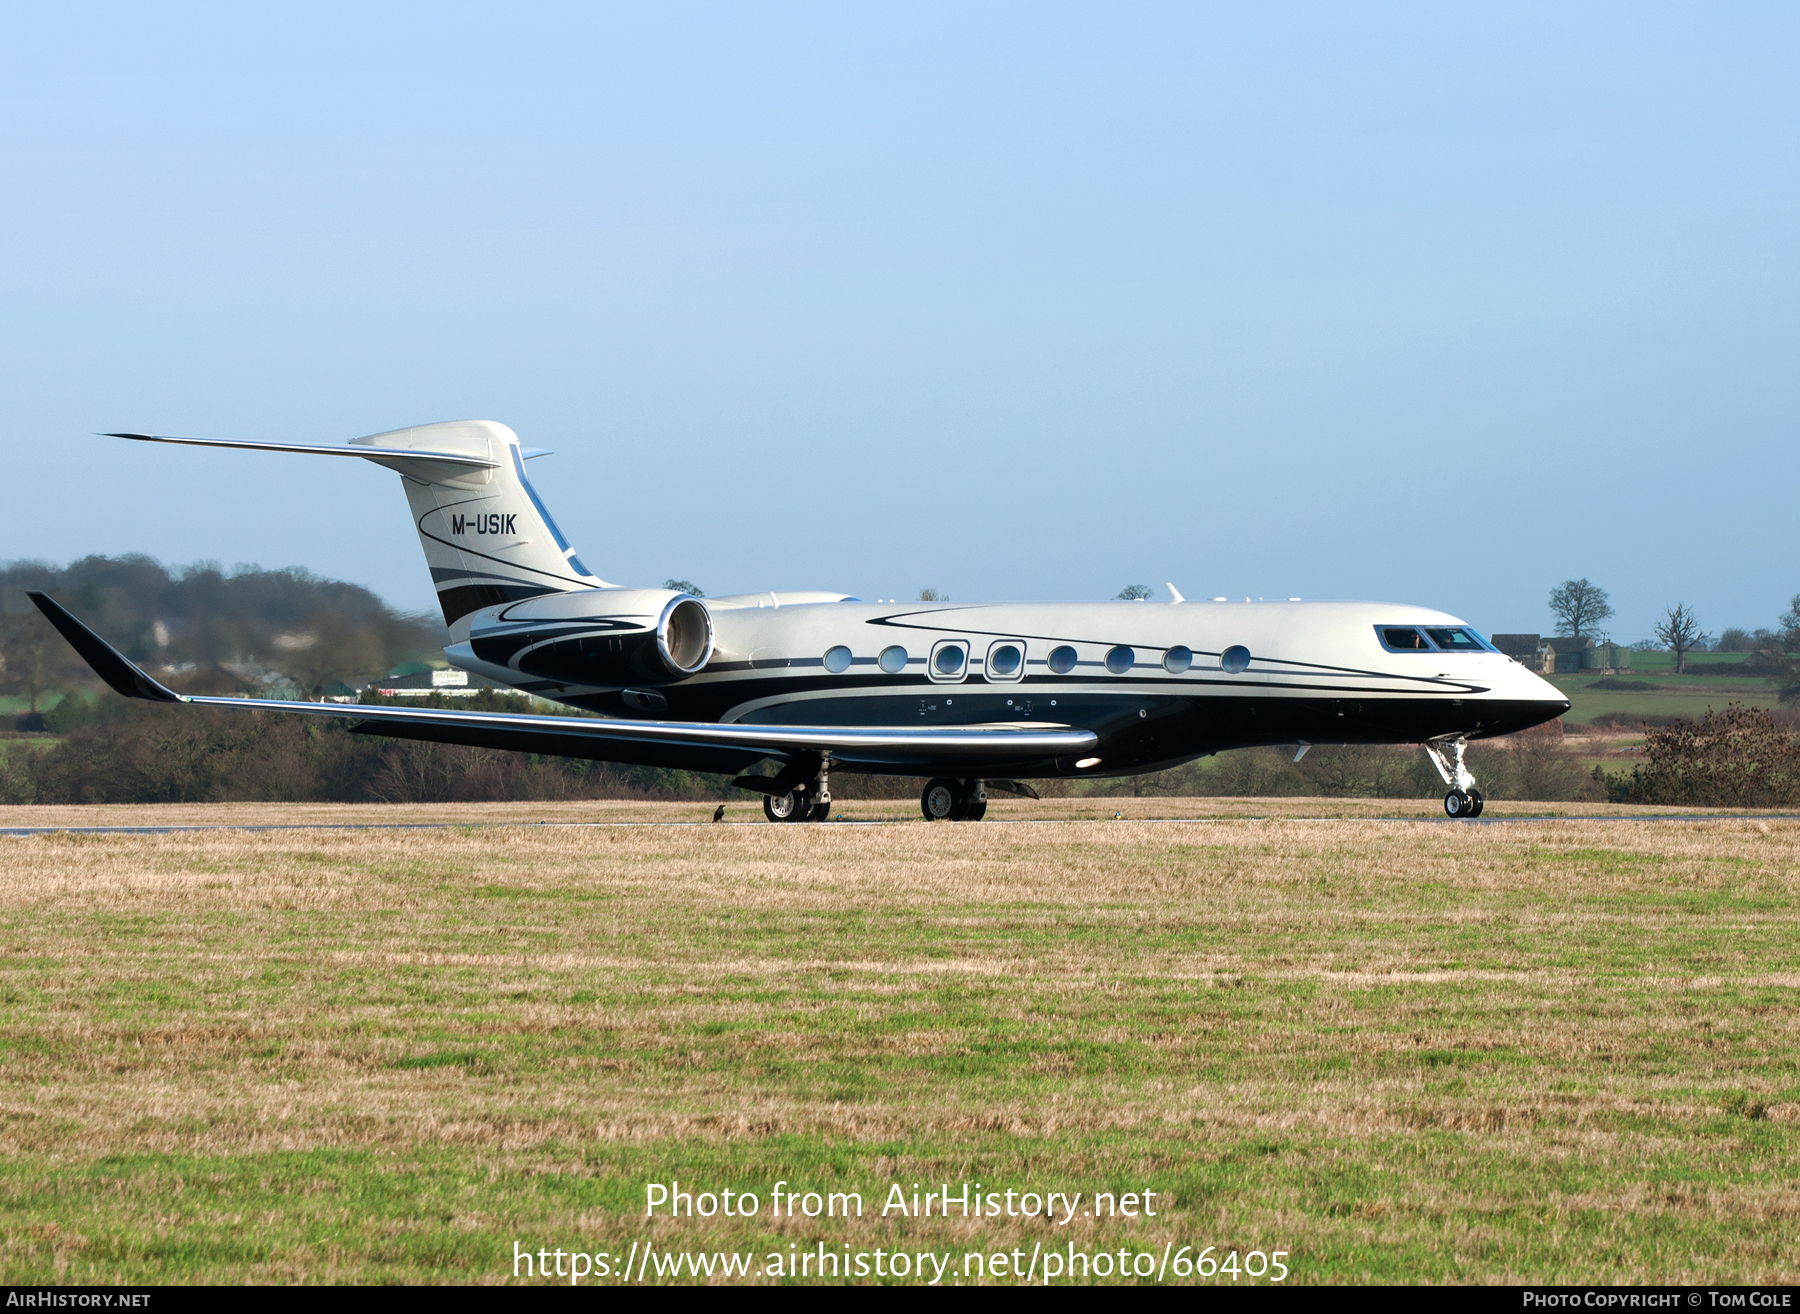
x=598, y=636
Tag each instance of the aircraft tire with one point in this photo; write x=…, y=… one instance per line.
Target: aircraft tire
x=784, y=807
x=1476, y=802
x=1458, y=804
x=820, y=812
x=974, y=811
x=942, y=800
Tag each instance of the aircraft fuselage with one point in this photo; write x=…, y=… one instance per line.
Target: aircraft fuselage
x=1159, y=684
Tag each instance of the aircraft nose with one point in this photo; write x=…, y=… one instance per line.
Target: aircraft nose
x=1553, y=702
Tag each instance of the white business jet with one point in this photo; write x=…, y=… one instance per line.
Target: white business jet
x=981, y=697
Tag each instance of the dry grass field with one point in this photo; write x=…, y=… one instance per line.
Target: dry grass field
x=1559, y=1051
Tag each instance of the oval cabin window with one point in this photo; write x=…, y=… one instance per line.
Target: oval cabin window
x=893, y=659
x=1004, y=660
x=949, y=659
x=1120, y=659
x=837, y=660
x=1061, y=660
x=1235, y=659
x=1177, y=659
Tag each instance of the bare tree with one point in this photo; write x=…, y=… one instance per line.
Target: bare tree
x=1679, y=631
x=1786, y=667
x=933, y=595
x=1578, y=605
x=26, y=637
x=1134, y=593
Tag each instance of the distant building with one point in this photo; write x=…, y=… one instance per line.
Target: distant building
x=417, y=683
x=1563, y=654
x=1569, y=656
x=1527, y=650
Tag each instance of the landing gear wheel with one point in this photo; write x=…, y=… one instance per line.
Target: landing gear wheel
x=974, y=811
x=941, y=801
x=1458, y=804
x=820, y=812
x=780, y=807
x=1475, y=802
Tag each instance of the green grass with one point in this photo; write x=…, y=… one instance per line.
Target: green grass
x=1530, y=1053
x=1663, y=663
x=19, y=704
x=1675, y=695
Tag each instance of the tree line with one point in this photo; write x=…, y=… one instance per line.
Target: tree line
x=111, y=750
x=1579, y=606
x=206, y=629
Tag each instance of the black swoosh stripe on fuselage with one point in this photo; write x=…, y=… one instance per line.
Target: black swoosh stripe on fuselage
x=1137, y=726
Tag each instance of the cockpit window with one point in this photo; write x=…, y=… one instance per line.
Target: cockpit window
x=1402, y=638
x=1431, y=638
x=1456, y=640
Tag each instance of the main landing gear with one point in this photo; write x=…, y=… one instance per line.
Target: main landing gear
x=808, y=800
x=797, y=806
x=1463, y=800
x=954, y=800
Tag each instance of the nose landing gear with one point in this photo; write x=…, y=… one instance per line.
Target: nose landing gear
x=1463, y=800
x=954, y=800
x=1463, y=803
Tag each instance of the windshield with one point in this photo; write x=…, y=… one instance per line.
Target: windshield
x=1431, y=638
x=1456, y=640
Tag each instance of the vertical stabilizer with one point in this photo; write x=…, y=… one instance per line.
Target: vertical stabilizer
x=488, y=537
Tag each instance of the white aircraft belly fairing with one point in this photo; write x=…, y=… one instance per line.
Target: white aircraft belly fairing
x=978, y=695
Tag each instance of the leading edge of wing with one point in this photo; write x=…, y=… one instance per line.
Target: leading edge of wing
x=972, y=742
x=876, y=742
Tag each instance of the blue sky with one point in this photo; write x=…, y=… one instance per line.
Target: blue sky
x=1438, y=304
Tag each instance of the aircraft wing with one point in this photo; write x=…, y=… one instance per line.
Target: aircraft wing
x=722, y=747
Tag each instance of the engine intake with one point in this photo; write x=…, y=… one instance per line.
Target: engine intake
x=599, y=637
x=684, y=635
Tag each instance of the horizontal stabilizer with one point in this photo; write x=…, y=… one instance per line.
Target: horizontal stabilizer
x=487, y=535
x=314, y=449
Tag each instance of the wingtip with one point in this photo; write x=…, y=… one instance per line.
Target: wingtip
x=120, y=672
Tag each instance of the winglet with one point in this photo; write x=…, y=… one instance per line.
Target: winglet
x=108, y=662
x=1174, y=594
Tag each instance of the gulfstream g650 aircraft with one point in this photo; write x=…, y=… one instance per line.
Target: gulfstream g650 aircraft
x=979, y=696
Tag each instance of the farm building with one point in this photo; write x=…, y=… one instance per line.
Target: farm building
x=1527, y=650
x=1563, y=654
x=417, y=680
